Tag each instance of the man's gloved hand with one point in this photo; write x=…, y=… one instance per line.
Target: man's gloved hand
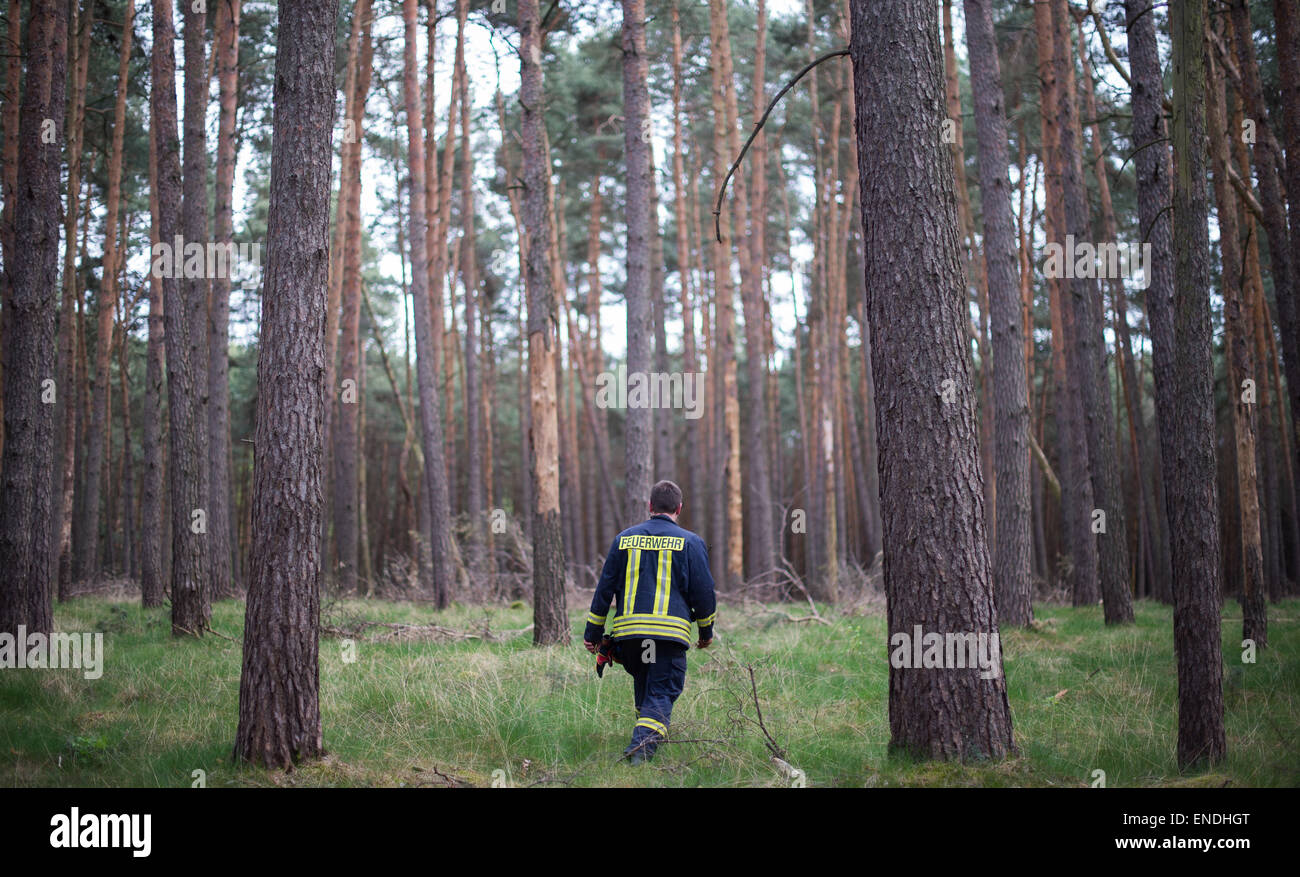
x=591, y=646
x=704, y=643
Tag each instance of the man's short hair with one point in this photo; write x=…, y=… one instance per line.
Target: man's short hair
x=665, y=498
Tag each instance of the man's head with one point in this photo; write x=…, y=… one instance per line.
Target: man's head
x=666, y=499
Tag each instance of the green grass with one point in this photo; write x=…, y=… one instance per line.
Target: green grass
x=420, y=712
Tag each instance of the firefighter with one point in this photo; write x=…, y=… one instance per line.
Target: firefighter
x=657, y=574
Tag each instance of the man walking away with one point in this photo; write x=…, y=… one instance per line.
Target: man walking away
x=658, y=575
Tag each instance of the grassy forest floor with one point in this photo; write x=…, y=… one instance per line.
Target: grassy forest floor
x=422, y=704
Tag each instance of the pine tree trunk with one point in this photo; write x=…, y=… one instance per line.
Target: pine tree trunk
x=86, y=531
x=434, y=495
x=1011, y=576
x=152, y=571
x=749, y=227
x=1079, y=543
x=1151, y=160
x=636, y=145
x=550, y=619
x=929, y=453
x=1088, y=352
x=976, y=272
x=220, y=525
x=346, y=432
x=469, y=277
x=1287, y=16
x=1239, y=342
x=187, y=349
x=9, y=102
x=1193, y=494
x=27, y=475
x=1150, y=487
x=727, y=550
x=279, y=700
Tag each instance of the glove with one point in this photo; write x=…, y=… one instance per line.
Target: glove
x=604, y=655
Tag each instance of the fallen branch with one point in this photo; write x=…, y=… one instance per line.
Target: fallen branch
x=211, y=629
x=768, y=741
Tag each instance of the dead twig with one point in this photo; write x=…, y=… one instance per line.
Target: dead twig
x=768, y=740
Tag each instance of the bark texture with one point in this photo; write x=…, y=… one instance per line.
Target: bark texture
x=936, y=563
x=279, y=702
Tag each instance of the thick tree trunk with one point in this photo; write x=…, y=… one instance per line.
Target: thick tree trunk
x=1011, y=577
x=1193, y=493
x=929, y=456
x=975, y=272
x=550, y=619
x=279, y=701
x=28, y=465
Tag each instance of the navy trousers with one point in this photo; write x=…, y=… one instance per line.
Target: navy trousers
x=658, y=669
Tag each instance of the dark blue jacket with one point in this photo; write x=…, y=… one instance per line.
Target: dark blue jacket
x=658, y=574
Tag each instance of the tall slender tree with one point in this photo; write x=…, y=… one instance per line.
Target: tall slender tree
x=220, y=523
x=1268, y=156
x=1154, y=185
x=152, y=572
x=1011, y=575
x=1088, y=349
x=186, y=359
x=1239, y=343
x=1193, y=494
x=345, y=434
x=550, y=620
x=640, y=339
x=437, y=532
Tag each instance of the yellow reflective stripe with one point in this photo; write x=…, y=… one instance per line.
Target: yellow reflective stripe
x=663, y=586
x=652, y=630
x=658, y=620
x=653, y=633
x=629, y=585
x=658, y=727
x=705, y=622
x=593, y=618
